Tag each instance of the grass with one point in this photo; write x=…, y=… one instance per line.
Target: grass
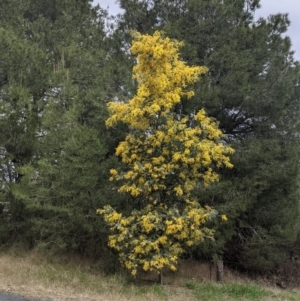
x=210, y=291
x=230, y=291
x=34, y=275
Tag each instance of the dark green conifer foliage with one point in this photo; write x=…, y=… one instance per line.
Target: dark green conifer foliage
x=251, y=88
x=68, y=149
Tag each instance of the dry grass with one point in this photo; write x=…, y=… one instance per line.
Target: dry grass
x=34, y=275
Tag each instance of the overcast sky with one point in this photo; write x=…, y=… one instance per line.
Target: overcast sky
x=292, y=7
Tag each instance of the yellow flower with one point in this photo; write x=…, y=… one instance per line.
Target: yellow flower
x=224, y=218
x=178, y=190
x=133, y=272
x=163, y=239
x=113, y=172
x=146, y=266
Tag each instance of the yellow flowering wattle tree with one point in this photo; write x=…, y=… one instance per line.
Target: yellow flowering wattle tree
x=167, y=155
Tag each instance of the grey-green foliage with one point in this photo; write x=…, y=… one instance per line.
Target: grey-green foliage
x=252, y=88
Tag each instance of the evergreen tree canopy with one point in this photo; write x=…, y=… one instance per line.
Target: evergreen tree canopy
x=56, y=76
x=252, y=88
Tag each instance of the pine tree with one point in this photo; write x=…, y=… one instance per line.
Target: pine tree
x=68, y=147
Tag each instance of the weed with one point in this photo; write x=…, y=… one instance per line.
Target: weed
x=191, y=284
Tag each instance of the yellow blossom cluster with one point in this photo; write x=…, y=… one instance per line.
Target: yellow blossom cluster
x=167, y=155
x=162, y=81
x=176, y=153
x=154, y=237
x=164, y=147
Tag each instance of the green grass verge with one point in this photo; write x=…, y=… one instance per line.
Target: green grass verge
x=209, y=291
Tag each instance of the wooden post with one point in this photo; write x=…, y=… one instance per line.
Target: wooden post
x=160, y=277
x=220, y=270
